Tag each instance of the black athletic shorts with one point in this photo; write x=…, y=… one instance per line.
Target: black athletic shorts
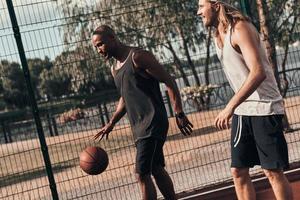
x=149, y=155
x=258, y=140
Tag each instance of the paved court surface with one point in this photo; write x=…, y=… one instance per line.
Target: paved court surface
x=262, y=186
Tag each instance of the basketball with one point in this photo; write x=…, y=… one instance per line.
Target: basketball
x=93, y=160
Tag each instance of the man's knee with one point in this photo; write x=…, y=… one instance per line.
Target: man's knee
x=273, y=174
x=239, y=172
x=157, y=171
x=143, y=177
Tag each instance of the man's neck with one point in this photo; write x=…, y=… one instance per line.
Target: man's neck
x=220, y=28
x=122, y=53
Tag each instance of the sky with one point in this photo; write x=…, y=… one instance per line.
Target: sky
x=39, y=22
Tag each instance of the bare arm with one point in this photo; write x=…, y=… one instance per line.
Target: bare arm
x=118, y=114
x=120, y=110
x=245, y=38
x=146, y=61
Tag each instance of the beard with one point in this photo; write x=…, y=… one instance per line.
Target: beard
x=106, y=55
x=210, y=20
x=207, y=22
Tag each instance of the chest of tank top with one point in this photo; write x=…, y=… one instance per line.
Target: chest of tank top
x=143, y=101
x=266, y=98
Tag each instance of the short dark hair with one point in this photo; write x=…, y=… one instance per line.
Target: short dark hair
x=104, y=30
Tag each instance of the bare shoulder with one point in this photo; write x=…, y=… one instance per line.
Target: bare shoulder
x=242, y=24
x=140, y=54
x=142, y=58
x=243, y=31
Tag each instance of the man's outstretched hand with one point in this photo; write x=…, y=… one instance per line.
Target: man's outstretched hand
x=184, y=125
x=104, y=131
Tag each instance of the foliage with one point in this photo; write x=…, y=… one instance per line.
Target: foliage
x=281, y=15
x=280, y=31
x=75, y=72
x=87, y=73
x=54, y=83
x=36, y=66
x=165, y=27
x=13, y=84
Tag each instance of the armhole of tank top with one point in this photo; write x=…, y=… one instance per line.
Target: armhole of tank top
x=230, y=34
x=132, y=62
x=113, y=71
x=136, y=71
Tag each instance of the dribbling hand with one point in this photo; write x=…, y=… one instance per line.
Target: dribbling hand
x=104, y=131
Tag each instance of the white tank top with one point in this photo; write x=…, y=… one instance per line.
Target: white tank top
x=266, y=99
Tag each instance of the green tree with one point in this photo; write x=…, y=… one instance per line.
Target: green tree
x=88, y=74
x=13, y=82
x=54, y=83
x=36, y=66
x=165, y=27
x=286, y=13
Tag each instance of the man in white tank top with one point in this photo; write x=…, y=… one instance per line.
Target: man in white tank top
x=256, y=108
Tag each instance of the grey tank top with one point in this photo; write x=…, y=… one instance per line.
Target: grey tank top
x=266, y=99
x=143, y=100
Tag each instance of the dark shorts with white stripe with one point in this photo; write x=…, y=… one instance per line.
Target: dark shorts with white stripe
x=258, y=140
x=149, y=155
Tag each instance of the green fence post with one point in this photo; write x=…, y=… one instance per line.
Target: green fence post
x=169, y=104
x=33, y=103
x=101, y=114
x=8, y=131
x=106, y=114
x=54, y=125
x=6, y=139
x=49, y=124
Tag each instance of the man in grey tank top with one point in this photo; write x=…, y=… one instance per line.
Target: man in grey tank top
x=137, y=75
x=257, y=106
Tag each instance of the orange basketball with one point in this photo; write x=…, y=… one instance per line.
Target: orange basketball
x=93, y=160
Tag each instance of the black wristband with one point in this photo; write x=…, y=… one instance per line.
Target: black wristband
x=180, y=115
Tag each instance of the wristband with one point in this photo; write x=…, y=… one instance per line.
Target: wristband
x=180, y=115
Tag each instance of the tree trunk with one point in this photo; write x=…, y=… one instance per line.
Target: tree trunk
x=268, y=38
x=269, y=41
x=284, y=86
x=178, y=64
x=188, y=56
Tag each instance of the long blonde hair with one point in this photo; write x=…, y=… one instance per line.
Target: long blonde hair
x=228, y=15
